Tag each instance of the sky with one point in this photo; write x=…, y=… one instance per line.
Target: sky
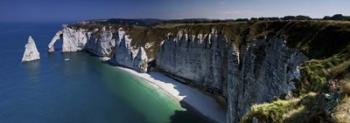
x=77, y=10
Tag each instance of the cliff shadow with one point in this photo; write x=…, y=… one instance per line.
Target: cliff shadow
x=191, y=114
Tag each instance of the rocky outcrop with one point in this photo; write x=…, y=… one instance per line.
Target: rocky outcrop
x=103, y=42
x=31, y=53
x=99, y=41
x=259, y=72
x=141, y=60
x=127, y=56
x=74, y=39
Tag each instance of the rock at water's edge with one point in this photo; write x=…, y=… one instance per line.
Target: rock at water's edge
x=31, y=52
x=51, y=45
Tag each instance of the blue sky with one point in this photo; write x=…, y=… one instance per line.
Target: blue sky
x=75, y=10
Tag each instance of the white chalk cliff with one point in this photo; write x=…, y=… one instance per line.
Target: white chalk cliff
x=127, y=56
x=103, y=42
x=261, y=71
x=199, y=58
x=74, y=40
x=31, y=52
x=98, y=41
x=141, y=60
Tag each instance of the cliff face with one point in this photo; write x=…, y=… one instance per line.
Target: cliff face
x=74, y=40
x=104, y=42
x=128, y=56
x=198, y=58
x=101, y=43
x=262, y=71
x=268, y=70
x=141, y=60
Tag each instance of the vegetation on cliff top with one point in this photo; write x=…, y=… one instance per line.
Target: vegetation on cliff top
x=310, y=108
x=316, y=38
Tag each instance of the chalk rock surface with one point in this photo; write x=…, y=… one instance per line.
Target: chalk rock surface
x=31, y=53
x=128, y=56
x=53, y=41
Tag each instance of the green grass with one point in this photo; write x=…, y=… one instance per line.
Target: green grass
x=270, y=112
x=307, y=108
x=316, y=73
x=340, y=112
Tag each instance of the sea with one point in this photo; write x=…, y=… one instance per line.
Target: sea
x=74, y=87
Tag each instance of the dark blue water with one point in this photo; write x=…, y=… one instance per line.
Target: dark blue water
x=81, y=90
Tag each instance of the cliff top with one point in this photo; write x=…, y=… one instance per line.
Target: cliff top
x=316, y=38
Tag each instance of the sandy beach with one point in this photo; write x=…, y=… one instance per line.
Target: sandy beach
x=203, y=103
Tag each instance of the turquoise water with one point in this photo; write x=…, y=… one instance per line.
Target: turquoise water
x=81, y=90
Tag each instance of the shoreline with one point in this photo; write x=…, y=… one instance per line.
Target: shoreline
x=204, y=104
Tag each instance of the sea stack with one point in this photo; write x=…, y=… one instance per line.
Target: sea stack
x=31, y=53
